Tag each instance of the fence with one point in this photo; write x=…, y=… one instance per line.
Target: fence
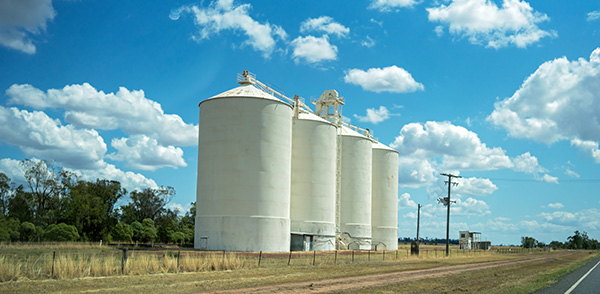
x=64, y=264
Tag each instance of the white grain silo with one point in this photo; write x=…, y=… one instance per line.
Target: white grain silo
x=244, y=164
x=384, y=209
x=355, y=189
x=313, y=190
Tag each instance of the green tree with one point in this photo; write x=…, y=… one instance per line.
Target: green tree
x=148, y=203
x=528, y=242
x=5, y=191
x=138, y=231
x=44, y=184
x=27, y=231
x=122, y=232
x=149, y=232
x=556, y=245
x=19, y=205
x=90, y=206
x=61, y=232
x=9, y=229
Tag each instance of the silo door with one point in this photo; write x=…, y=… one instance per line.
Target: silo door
x=203, y=243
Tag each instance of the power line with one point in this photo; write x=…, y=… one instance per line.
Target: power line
x=575, y=181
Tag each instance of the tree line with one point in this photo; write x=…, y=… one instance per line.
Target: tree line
x=56, y=205
x=579, y=240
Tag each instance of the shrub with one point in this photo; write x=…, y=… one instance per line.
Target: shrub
x=61, y=232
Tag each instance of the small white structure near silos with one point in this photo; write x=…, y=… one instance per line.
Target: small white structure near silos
x=312, y=207
x=384, y=213
x=469, y=240
x=272, y=177
x=244, y=172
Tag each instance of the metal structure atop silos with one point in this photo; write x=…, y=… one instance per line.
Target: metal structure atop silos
x=384, y=207
x=244, y=171
x=275, y=176
x=312, y=208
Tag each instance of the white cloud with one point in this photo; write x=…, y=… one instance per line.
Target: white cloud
x=559, y=101
x=20, y=20
x=36, y=134
x=556, y=205
x=224, y=15
x=457, y=147
x=324, y=24
x=470, y=207
x=414, y=172
x=560, y=218
x=593, y=15
x=388, y=79
x=131, y=111
x=571, y=173
x=389, y=5
x=589, y=147
x=129, y=180
x=404, y=201
x=369, y=42
x=142, y=152
x=313, y=50
x=475, y=186
x=549, y=179
x=375, y=116
x=483, y=22
x=527, y=163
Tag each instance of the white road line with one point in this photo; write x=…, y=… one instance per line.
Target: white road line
x=581, y=279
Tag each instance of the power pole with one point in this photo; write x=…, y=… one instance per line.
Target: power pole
x=418, y=220
x=447, y=202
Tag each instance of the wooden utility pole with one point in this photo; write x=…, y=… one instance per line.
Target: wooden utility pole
x=418, y=222
x=447, y=202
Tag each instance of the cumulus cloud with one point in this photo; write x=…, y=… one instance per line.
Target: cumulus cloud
x=457, y=147
x=131, y=111
x=36, y=134
x=324, y=24
x=527, y=163
x=559, y=101
x=404, y=201
x=549, y=179
x=593, y=15
x=483, y=22
x=388, y=79
x=589, y=147
x=224, y=15
x=313, y=49
x=389, y=5
x=375, y=116
x=556, y=205
x=368, y=42
x=475, y=186
x=142, y=152
x=21, y=20
x=129, y=180
x=470, y=207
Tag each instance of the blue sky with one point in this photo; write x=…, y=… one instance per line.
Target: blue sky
x=504, y=93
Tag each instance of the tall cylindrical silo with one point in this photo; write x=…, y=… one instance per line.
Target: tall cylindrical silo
x=384, y=209
x=355, y=188
x=312, y=208
x=244, y=164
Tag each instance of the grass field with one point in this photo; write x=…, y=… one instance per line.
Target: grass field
x=77, y=268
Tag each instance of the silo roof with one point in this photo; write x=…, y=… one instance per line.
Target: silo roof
x=310, y=116
x=245, y=91
x=379, y=145
x=346, y=131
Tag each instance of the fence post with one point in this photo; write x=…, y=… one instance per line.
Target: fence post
x=53, y=258
x=335, y=260
x=314, y=256
x=123, y=260
x=352, y=255
x=369, y=256
x=178, y=255
x=290, y=258
x=259, y=257
x=383, y=254
x=406, y=253
x=396, y=254
x=223, y=262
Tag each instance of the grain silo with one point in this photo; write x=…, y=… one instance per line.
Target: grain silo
x=384, y=209
x=312, y=207
x=244, y=166
x=355, y=188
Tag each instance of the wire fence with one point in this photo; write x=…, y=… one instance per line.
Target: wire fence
x=62, y=264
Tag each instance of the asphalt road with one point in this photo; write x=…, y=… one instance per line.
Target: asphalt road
x=585, y=279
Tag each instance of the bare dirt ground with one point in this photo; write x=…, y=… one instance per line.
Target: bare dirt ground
x=380, y=280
